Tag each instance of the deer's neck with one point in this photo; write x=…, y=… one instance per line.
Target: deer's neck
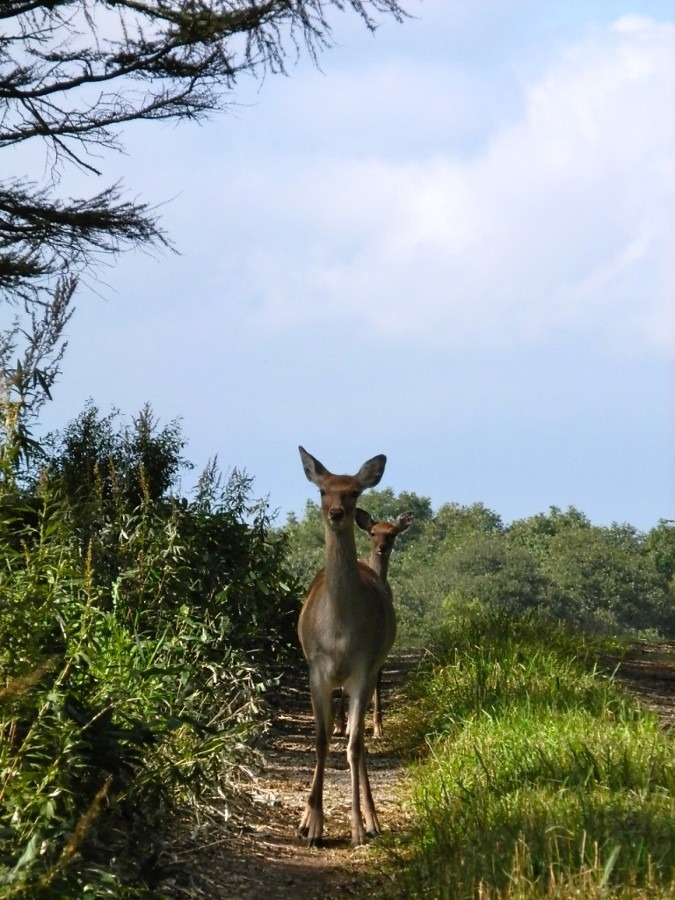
x=379, y=564
x=342, y=573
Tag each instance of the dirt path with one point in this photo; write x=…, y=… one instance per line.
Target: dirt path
x=257, y=856
x=648, y=672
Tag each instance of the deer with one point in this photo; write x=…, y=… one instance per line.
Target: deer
x=382, y=535
x=346, y=629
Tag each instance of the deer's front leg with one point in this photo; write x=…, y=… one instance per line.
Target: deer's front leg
x=356, y=755
x=311, y=824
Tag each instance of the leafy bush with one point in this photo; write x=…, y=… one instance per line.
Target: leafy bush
x=138, y=634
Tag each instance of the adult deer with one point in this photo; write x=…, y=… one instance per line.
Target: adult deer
x=382, y=536
x=347, y=627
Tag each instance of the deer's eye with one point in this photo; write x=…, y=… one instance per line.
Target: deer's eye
x=355, y=495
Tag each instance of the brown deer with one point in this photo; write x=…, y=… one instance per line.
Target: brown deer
x=347, y=627
x=382, y=537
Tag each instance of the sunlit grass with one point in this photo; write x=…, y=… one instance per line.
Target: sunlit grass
x=537, y=777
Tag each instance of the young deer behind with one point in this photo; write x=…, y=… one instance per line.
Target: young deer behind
x=382, y=535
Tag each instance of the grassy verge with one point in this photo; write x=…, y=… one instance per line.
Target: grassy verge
x=537, y=776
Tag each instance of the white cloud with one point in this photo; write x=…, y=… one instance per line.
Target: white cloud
x=486, y=184
x=561, y=222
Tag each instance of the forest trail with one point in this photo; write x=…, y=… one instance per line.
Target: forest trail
x=257, y=855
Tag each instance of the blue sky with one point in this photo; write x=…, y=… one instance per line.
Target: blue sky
x=451, y=244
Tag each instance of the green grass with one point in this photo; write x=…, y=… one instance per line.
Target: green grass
x=537, y=776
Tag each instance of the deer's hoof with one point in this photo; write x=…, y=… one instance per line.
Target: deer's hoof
x=312, y=834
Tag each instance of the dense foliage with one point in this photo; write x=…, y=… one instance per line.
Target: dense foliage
x=608, y=579
x=138, y=632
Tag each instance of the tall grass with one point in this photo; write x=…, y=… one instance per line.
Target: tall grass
x=538, y=777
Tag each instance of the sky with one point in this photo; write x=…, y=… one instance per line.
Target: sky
x=452, y=243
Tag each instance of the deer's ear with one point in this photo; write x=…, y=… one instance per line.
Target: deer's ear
x=404, y=521
x=314, y=470
x=363, y=519
x=371, y=471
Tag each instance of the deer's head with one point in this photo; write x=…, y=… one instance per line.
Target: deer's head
x=383, y=534
x=339, y=493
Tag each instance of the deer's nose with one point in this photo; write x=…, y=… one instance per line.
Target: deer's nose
x=336, y=513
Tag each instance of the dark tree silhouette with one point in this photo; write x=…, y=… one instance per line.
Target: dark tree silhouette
x=73, y=71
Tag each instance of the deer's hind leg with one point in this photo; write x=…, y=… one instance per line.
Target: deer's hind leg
x=377, y=707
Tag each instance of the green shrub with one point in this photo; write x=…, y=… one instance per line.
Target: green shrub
x=136, y=645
